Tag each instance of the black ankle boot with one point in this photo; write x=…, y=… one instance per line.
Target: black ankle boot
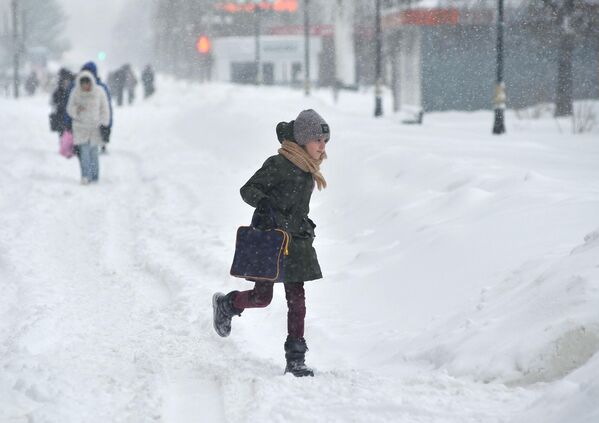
x=223, y=311
x=295, y=352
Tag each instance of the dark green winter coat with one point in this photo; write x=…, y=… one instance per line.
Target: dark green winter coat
x=288, y=189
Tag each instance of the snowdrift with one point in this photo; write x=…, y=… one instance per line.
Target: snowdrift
x=538, y=325
x=571, y=400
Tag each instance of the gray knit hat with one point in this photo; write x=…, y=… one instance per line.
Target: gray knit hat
x=308, y=126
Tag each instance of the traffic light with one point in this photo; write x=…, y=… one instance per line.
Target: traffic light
x=203, y=45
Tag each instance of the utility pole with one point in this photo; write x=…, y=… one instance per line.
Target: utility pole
x=307, y=47
x=257, y=30
x=500, y=97
x=378, y=100
x=16, y=48
x=24, y=30
x=563, y=100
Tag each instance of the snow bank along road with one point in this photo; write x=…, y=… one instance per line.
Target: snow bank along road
x=436, y=243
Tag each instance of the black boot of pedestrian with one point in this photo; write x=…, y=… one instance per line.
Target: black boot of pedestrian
x=223, y=311
x=295, y=353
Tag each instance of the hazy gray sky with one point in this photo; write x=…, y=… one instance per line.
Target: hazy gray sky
x=90, y=28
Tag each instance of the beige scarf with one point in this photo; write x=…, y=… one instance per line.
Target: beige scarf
x=299, y=157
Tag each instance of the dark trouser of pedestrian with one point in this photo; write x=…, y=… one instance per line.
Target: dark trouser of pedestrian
x=261, y=296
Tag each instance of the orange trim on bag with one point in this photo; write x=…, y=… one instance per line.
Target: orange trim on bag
x=285, y=241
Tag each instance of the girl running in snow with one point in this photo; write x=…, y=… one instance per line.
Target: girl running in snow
x=282, y=188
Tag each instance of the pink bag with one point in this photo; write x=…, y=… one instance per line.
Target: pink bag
x=67, y=148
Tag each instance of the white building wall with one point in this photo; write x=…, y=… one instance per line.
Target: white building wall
x=345, y=57
x=410, y=73
x=281, y=51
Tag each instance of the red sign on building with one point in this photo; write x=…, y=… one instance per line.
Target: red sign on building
x=276, y=5
x=421, y=17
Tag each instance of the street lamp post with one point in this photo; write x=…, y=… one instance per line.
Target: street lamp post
x=378, y=101
x=500, y=96
x=16, y=48
x=257, y=29
x=307, y=47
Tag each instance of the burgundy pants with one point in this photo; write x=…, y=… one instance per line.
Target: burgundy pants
x=261, y=296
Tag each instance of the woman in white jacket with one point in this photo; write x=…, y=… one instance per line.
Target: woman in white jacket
x=88, y=107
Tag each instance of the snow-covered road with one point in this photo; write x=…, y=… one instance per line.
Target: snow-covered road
x=105, y=310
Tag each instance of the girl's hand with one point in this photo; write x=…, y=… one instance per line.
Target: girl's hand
x=264, y=205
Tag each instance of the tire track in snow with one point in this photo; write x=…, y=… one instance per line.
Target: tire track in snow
x=192, y=390
x=94, y=300
x=163, y=260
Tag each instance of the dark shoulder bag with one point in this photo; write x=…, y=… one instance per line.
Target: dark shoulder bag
x=260, y=254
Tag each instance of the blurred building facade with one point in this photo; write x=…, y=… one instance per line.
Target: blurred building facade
x=438, y=55
x=444, y=59
x=282, y=59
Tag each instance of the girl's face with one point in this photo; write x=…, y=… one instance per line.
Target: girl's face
x=86, y=85
x=316, y=147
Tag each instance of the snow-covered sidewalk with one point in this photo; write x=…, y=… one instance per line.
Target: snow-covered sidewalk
x=459, y=285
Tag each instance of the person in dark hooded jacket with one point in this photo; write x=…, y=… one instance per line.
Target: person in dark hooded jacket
x=280, y=191
x=147, y=77
x=60, y=96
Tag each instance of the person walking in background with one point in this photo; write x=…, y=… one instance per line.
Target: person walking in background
x=130, y=83
x=281, y=191
x=105, y=130
x=147, y=78
x=112, y=82
x=31, y=83
x=89, y=109
x=58, y=118
x=116, y=81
